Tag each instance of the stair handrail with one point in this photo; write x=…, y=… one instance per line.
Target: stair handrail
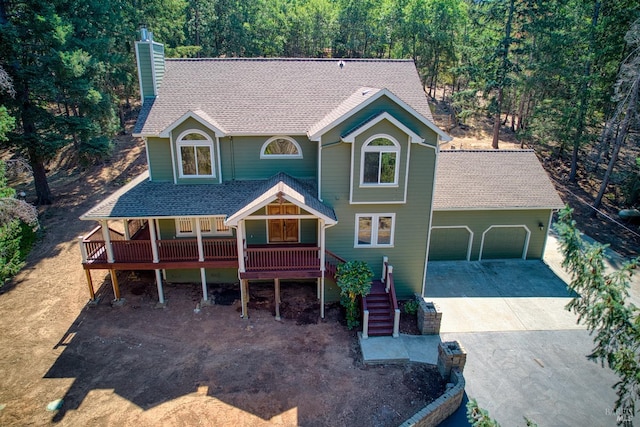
x=394, y=301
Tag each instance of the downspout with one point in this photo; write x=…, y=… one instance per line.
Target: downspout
x=433, y=193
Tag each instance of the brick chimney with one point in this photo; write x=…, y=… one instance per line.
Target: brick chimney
x=150, y=61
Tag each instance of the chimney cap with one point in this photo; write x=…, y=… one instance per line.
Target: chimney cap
x=145, y=35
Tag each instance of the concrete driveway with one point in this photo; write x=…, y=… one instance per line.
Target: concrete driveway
x=526, y=354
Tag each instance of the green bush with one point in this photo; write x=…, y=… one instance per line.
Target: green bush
x=411, y=307
x=11, y=256
x=354, y=280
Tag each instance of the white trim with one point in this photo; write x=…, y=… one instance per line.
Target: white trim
x=290, y=216
x=371, y=99
x=280, y=156
x=146, y=150
x=433, y=195
x=173, y=160
x=406, y=173
x=289, y=194
x=546, y=235
x=353, y=161
x=320, y=169
x=469, y=240
x=139, y=73
x=525, y=248
x=219, y=160
x=219, y=132
x=397, y=150
x=375, y=217
x=207, y=142
x=388, y=202
x=415, y=138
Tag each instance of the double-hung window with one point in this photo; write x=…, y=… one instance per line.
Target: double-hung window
x=374, y=230
x=195, y=155
x=380, y=156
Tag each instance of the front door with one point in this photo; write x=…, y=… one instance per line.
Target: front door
x=283, y=230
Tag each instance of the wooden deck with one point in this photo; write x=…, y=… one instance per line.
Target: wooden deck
x=294, y=261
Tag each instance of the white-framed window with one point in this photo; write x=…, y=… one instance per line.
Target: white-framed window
x=209, y=226
x=281, y=147
x=379, y=164
x=195, y=155
x=374, y=230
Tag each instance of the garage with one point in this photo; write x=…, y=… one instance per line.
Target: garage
x=450, y=243
x=505, y=242
x=494, y=204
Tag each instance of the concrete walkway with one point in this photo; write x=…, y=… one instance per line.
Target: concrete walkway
x=526, y=353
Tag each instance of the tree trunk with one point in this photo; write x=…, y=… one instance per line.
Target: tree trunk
x=43, y=192
x=496, y=121
x=584, y=97
x=620, y=138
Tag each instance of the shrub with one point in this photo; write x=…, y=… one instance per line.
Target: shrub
x=354, y=280
x=411, y=307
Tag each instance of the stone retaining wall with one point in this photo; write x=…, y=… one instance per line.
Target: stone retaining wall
x=451, y=360
x=441, y=408
x=429, y=317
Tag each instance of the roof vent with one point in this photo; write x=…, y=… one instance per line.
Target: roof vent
x=341, y=64
x=366, y=92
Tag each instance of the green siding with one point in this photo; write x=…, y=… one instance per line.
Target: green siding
x=241, y=159
x=256, y=231
x=506, y=243
x=145, y=69
x=380, y=193
x=411, y=220
x=308, y=231
x=167, y=228
x=160, y=167
x=158, y=61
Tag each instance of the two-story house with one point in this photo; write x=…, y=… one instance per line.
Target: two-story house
x=269, y=169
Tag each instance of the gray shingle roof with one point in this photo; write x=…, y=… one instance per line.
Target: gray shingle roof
x=142, y=198
x=497, y=179
x=273, y=96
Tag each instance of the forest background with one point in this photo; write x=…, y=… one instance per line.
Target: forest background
x=560, y=76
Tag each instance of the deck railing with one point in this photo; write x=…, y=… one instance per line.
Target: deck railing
x=282, y=258
x=332, y=261
x=168, y=250
x=394, y=301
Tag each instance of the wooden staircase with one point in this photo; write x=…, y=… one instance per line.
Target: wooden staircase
x=380, y=307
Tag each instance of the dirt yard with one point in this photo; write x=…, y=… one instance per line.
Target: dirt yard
x=181, y=365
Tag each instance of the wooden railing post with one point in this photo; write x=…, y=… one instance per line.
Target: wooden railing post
x=385, y=262
x=83, y=249
x=365, y=324
x=107, y=241
x=389, y=271
x=396, y=323
x=154, y=244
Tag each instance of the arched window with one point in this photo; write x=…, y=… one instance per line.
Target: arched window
x=195, y=155
x=281, y=147
x=379, y=165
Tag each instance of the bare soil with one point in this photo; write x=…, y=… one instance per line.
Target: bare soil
x=184, y=364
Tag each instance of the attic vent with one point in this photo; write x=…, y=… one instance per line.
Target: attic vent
x=341, y=64
x=365, y=92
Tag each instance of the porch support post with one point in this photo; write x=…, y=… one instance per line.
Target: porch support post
x=83, y=249
x=92, y=293
x=244, y=290
x=127, y=236
x=322, y=264
x=159, y=285
x=199, y=238
x=114, y=283
x=277, y=286
x=154, y=244
x=203, y=278
x=240, y=244
x=385, y=262
x=107, y=240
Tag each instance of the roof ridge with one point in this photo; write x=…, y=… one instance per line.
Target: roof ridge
x=276, y=59
x=524, y=150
